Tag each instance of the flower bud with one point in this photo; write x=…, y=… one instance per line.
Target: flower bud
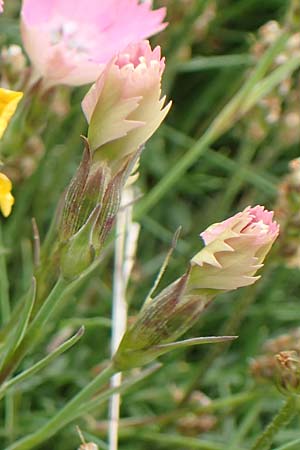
x=70, y=44
x=124, y=108
x=90, y=207
x=161, y=320
x=280, y=363
x=234, y=250
x=89, y=446
x=84, y=193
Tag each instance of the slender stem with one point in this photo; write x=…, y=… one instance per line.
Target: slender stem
x=125, y=246
x=65, y=415
x=283, y=417
x=35, y=328
x=259, y=179
x=5, y=316
x=119, y=318
x=41, y=364
x=293, y=445
x=4, y=286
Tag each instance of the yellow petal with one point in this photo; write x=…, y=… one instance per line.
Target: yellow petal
x=8, y=103
x=6, y=198
x=6, y=203
x=5, y=184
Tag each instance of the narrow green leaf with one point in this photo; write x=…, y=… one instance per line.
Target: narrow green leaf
x=265, y=86
x=22, y=324
x=4, y=284
x=214, y=62
x=294, y=445
x=42, y=363
x=228, y=116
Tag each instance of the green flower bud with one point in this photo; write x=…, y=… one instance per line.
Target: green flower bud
x=161, y=320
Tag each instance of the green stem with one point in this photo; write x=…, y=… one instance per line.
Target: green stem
x=284, y=416
x=294, y=445
x=259, y=179
x=34, y=330
x=40, y=364
x=4, y=285
x=65, y=415
x=5, y=316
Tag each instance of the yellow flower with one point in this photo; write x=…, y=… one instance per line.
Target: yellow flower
x=6, y=198
x=8, y=103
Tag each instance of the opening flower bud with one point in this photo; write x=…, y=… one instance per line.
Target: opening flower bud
x=234, y=250
x=124, y=108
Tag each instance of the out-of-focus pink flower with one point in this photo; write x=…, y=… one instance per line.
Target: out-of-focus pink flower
x=69, y=41
x=124, y=107
x=234, y=250
x=1, y=6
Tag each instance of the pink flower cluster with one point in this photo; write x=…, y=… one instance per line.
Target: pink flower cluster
x=1, y=6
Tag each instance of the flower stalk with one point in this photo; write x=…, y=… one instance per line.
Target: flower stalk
x=283, y=418
x=125, y=246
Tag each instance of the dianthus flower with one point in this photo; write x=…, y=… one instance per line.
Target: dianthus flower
x=70, y=41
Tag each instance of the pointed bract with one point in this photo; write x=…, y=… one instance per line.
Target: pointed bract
x=161, y=320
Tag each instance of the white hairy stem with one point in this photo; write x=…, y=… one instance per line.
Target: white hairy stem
x=127, y=233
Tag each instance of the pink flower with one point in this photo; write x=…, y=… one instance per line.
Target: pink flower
x=1, y=6
x=124, y=107
x=69, y=41
x=234, y=250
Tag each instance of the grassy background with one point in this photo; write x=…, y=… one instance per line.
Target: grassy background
x=208, y=46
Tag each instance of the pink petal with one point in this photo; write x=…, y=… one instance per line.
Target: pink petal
x=89, y=36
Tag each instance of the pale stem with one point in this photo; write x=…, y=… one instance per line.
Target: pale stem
x=125, y=248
